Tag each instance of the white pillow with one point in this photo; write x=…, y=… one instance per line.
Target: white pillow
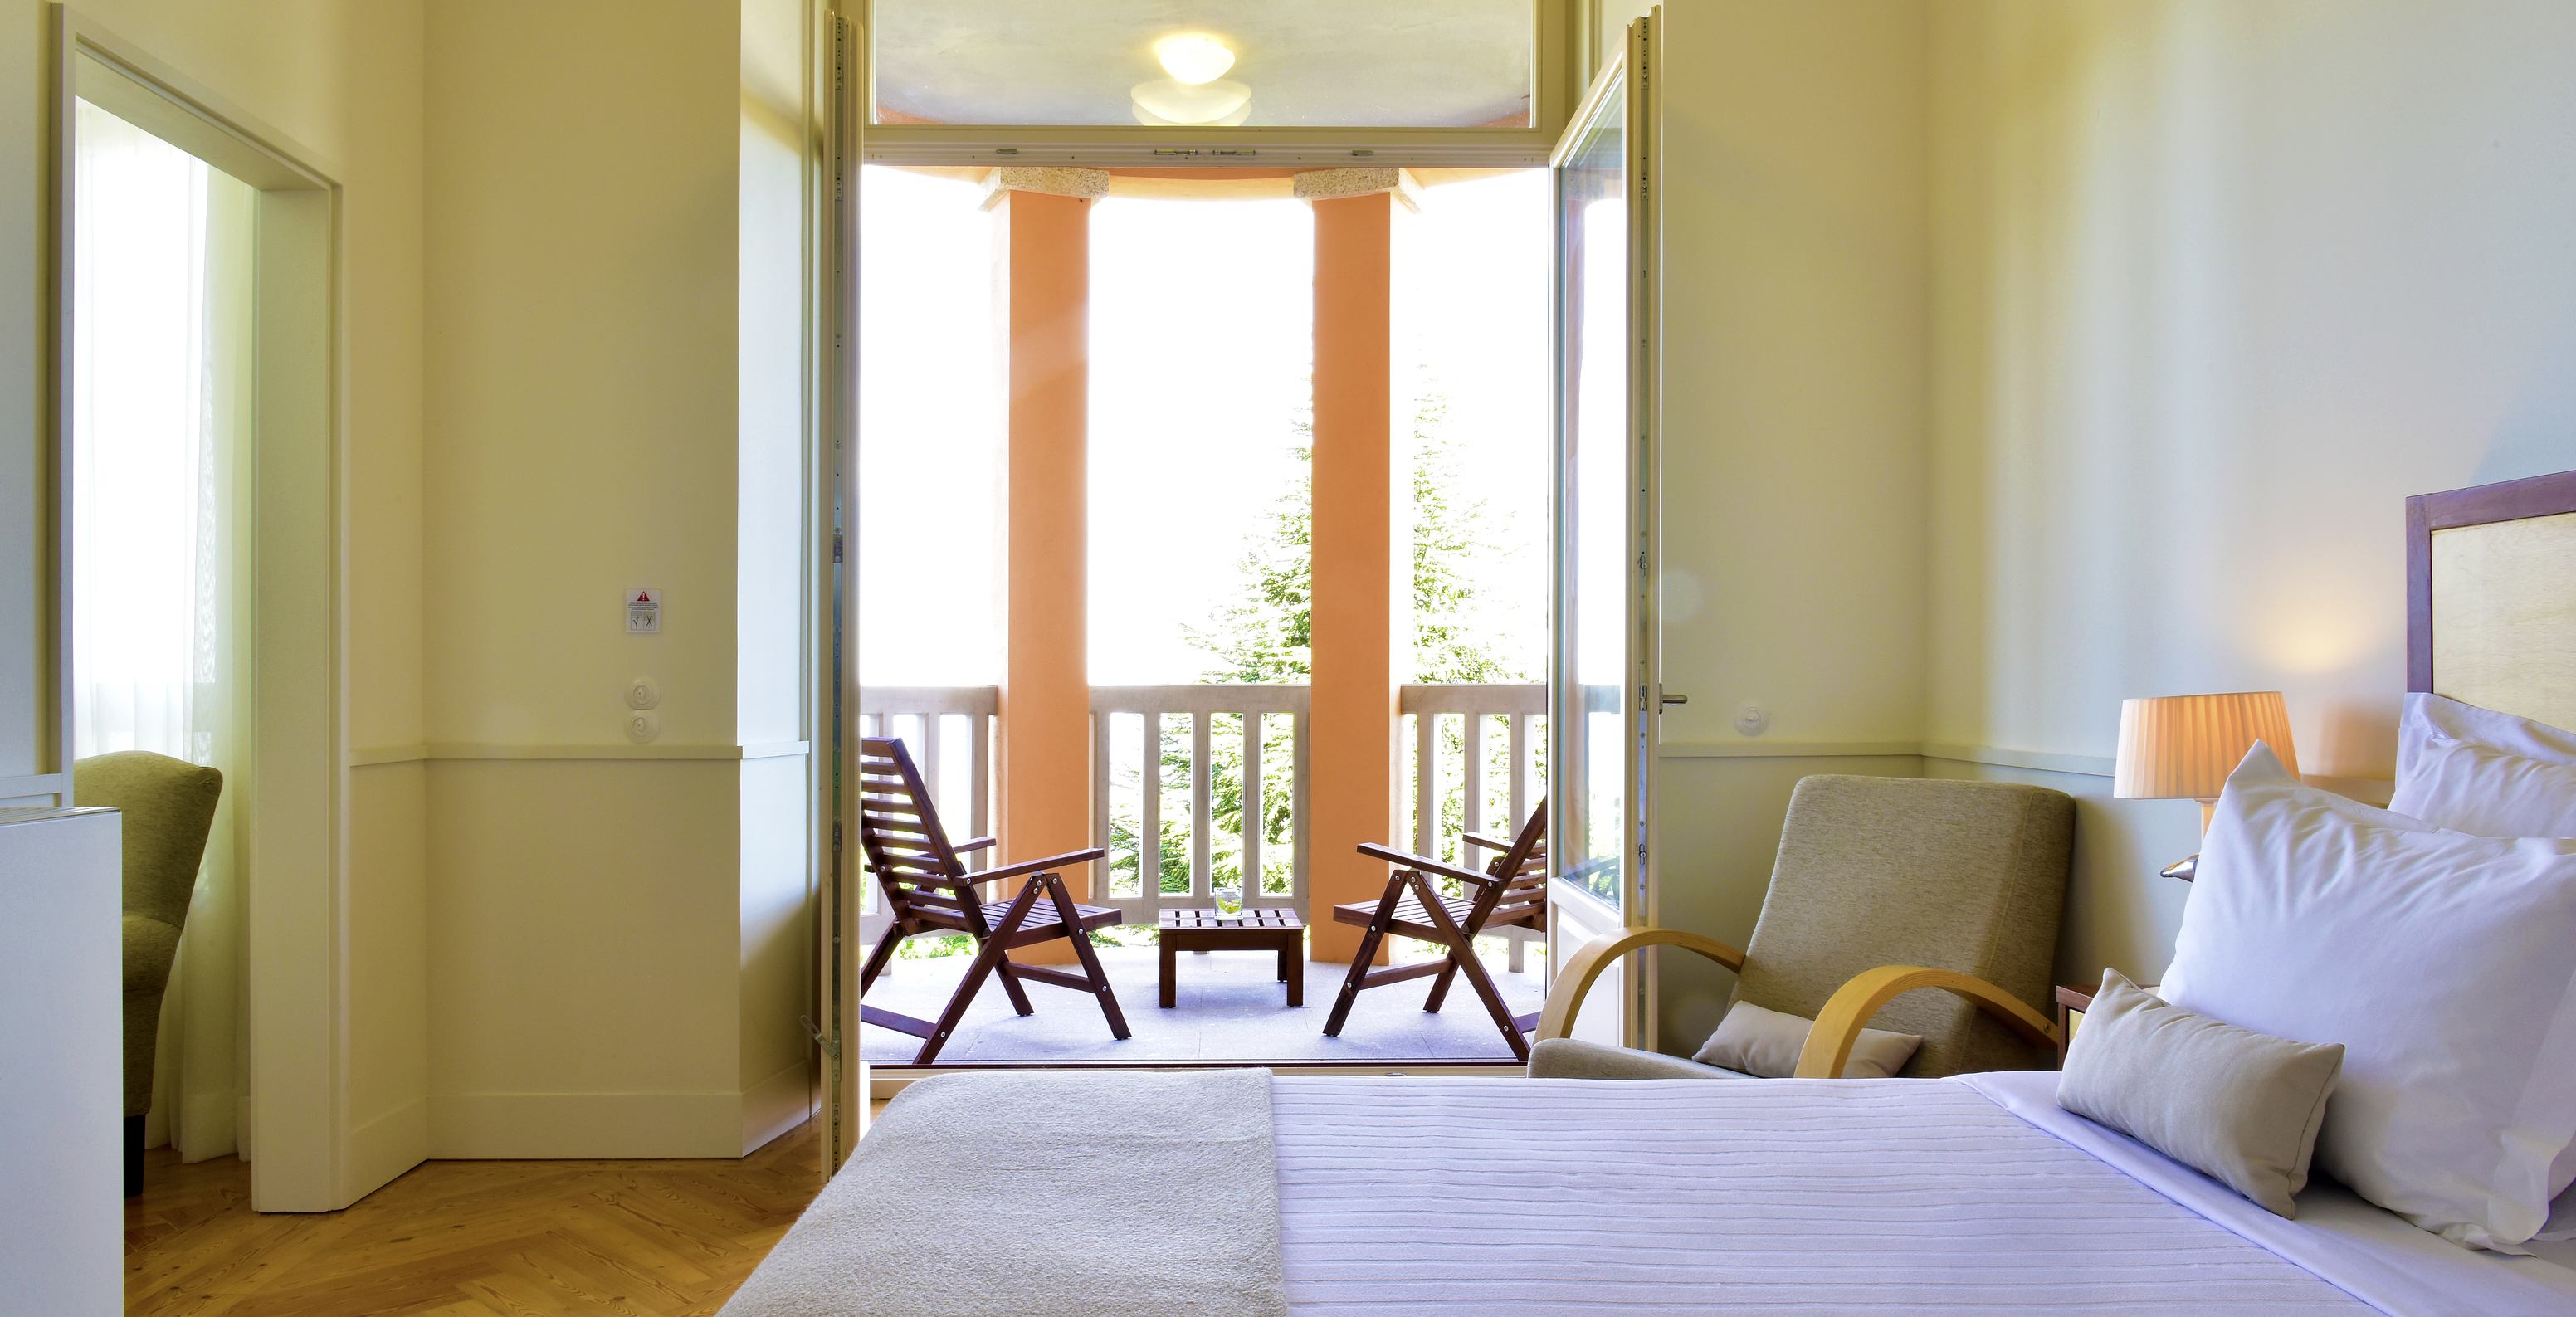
x=2478, y=789
x=2444, y=963
x=2444, y=794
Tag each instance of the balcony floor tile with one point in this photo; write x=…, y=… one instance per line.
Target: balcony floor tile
x=1231, y=1008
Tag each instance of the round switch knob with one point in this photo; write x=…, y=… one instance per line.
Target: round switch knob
x=643, y=693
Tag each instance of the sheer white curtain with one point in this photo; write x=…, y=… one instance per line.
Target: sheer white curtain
x=161, y=249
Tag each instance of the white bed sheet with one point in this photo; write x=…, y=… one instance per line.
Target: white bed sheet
x=2369, y=1252
x=1459, y=1196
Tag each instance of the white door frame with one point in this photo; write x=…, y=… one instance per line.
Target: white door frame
x=292, y=779
x=1575, y=916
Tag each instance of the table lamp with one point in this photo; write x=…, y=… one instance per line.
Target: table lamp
x=2176, y=747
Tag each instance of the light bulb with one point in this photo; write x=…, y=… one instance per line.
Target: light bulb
x=1194, y=59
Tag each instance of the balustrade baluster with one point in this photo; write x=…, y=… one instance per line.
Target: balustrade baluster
x=1202, y=808
x=1471, y=783
x=1252, y=815
x=1149, y=832
x=1426, y=784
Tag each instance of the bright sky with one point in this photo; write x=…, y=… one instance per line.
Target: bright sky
x=1202, y=347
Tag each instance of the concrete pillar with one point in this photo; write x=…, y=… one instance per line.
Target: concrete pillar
x=1042, y=754
x=1361, y=611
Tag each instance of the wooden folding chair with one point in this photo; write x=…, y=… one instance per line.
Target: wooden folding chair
x=928, y=890
x=1511, y=891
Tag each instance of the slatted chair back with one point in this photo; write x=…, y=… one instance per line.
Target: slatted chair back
x=905, y=845
x=1512, y=890
x=1522, y=897
x=927, y=888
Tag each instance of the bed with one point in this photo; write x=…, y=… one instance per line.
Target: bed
x=1341, y=1196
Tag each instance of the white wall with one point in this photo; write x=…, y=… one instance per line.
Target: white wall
x=2217, y=287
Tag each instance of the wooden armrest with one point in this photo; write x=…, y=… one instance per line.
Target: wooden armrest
x=1489, y=843
x=1575, y=977
x=1403, y=861
x=1838, y=1025
x=1034, y=866
x=971, y=844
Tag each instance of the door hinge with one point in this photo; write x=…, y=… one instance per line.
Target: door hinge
x=836, y=546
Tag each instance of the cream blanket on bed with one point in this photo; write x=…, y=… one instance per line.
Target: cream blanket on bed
x=1118, y=1194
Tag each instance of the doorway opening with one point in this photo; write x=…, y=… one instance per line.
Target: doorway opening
x=1139, y=531
x=196, y=445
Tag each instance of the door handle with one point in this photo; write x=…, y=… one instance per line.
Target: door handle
x=1671, y=700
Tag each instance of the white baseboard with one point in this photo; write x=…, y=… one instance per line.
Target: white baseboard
x=386, y=1147
x=776, y=1105
x=613, y=1125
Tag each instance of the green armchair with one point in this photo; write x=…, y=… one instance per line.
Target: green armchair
x=169, y=806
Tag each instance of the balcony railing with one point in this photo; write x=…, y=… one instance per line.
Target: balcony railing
x=1226, y=743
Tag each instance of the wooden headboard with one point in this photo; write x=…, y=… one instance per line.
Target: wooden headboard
x=2490, y=615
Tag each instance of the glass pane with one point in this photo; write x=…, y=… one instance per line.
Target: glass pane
x=930, y=426
x=1592, y=201
x=1320, y=63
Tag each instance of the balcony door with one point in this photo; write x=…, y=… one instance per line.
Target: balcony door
x=1603, y=668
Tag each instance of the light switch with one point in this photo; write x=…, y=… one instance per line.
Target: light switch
x=643, y=693
x=643, y=725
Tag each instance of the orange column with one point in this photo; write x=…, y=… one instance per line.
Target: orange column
x=1042, y=755
x=1359, y=617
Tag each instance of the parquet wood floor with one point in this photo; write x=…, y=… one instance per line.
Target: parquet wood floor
x=468, y=1239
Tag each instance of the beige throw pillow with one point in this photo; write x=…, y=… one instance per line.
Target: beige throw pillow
x=2236, y=1105
x=1767, y=1043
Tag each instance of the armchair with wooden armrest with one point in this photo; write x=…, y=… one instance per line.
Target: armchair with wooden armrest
x=1883, y=886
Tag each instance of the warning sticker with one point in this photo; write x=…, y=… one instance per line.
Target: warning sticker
x=643, y=611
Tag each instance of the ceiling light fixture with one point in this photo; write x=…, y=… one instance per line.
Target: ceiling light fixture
x=1197, y=95
x=1193, y=58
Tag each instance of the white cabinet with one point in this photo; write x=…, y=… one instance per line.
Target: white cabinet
x=62, y=1101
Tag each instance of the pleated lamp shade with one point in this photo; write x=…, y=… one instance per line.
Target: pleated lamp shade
x=2176, y=747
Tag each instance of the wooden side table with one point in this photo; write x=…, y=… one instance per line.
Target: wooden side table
x=2072, y=1002
x=1258, y=928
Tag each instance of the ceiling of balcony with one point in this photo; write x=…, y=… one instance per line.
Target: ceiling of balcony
x=1310, y=63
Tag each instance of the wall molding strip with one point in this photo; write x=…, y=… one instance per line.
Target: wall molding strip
x=471, y=751
x=1784, y=749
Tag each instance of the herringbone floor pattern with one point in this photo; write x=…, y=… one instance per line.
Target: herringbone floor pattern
x=468, y=1239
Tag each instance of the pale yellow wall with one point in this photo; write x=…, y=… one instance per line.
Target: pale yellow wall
x=1795, y=277
x=617, y=957
x=2217, y=287
x=773, y=586
x=581, y=406
x=583, y=959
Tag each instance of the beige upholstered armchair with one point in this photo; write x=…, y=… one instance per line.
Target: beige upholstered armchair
x=169, y=805
x=1883, y=886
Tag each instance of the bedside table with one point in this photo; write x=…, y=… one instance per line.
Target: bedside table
x=2072, y=1002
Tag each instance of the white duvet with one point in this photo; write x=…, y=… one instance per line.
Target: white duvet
x=1515, y=1198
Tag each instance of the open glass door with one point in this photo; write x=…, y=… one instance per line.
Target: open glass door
x=1603, y=688
x=845, y=923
